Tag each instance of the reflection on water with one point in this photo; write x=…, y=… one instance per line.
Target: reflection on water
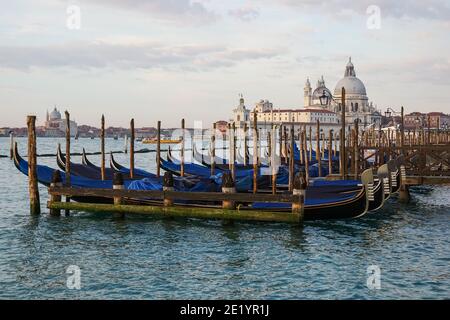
x=145, y=258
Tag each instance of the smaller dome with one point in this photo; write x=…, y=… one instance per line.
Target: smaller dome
x=320, y=91
x=55, y=115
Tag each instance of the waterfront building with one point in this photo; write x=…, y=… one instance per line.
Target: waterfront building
x=55, y=126
x=358, y=107
x=434, y=120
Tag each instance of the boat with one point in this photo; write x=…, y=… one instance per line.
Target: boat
x=332, y=202
x=161, y=141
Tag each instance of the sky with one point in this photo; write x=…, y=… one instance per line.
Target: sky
x=171, y=59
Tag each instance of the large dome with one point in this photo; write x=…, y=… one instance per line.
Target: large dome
x=352, y=86
x=55, y=115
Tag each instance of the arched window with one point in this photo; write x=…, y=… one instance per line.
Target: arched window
x=238, y=118
x=356, y=106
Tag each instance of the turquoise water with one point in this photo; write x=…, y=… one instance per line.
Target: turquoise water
x=145, y=258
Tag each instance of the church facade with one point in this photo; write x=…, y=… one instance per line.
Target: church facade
x=318, y=104
x=55, y=126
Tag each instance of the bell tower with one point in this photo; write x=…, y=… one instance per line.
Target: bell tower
x=307, y=93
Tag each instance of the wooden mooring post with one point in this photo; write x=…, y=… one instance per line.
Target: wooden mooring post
x=356, y=149
x=343, y=151
x=168, y=185
x=11, y=145
x=35, y=205
x=228, y=187
x=291, y=159
x=118, y=184
x=305, y=147
x=245, y=144
x=255, y=152
x=102, y=148
x=183, y=128
x=299, y=191
x=318, y=155
x=68, y=179
x=330, y=152
x=273, y=155
x=132, y=138
x=56, y=183
x=158, y=151
x=213, y=150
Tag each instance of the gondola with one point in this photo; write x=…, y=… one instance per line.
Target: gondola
x=45, y=175
x=321, y=203
x=394, y=176
x=91, y=171
x=82, y=170
x=353, y=204
x=375, y=191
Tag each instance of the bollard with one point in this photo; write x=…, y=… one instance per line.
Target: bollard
x=35, y=205
x=228, y=186
x=56, y=183
x=102, y=148
x=132, y=138
x=118, y=185
x=11, y=145
x=168, y=185
x=404, y=195
x=298, y=207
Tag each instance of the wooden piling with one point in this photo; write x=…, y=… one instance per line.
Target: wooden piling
x=255, y=152
x=68, y=179
x=300, y=140
x=118, y=184
x=282, y=159
x=245, y=144
x=343, y=153
x=11, y=145
x=299, y=190
x=330, y=154
x=102, y=148
x=273, y=154
x=183, y=128
x=158, y=150
x=168, y=185
x=356, y=150
x=306, y=156
x=310, y=144
x=56, y=183
x=213, y=150
x=291, y=159
x=132, y=138
x=228, y=186
x=318, y=153
x=35, y=205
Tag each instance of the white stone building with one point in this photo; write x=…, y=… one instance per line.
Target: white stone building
x=357, y=105
x=55, y=126
x=315, y=107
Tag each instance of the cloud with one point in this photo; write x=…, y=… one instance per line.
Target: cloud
x=172, y=10
x=430, y=9
x=424, y=70
x=244, y=14
x=99, y=54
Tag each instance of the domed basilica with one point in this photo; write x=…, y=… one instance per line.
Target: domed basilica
x=357, y=104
